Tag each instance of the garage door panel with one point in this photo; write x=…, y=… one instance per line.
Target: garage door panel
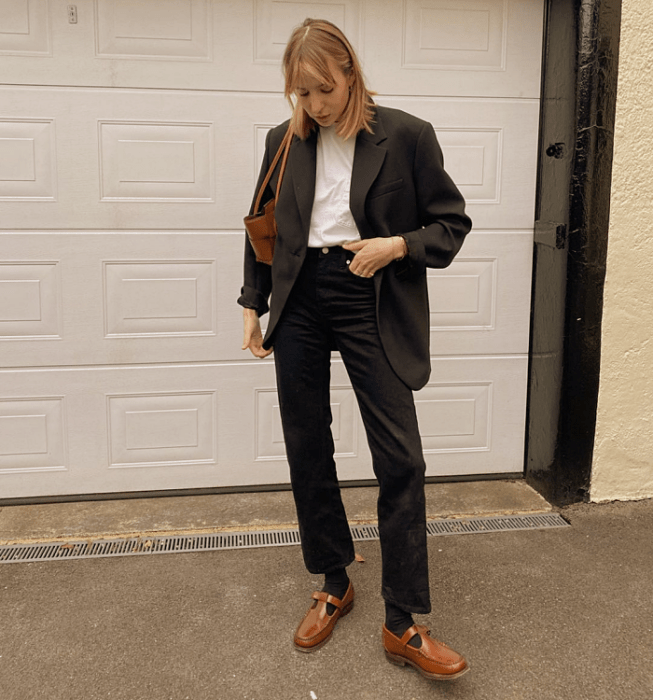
x=472, y=415
x=149, y=428
x=260, y=456
x=269, y=434
x=120, y=298
x=27, y=160
x=478, y=303
x=32, y=435
x=418, y=47
x=161, y=429
x=163, y=29
x=156, y=161
x=125, y=159
x=490, y=150
x=26, y=28
x=136, y=428
x=128, y=159
x=164, y=307
x=274, y=20
x=125, y=429
x=30, y=299
x=468, y=47
x=144, y=298
x=182, y=44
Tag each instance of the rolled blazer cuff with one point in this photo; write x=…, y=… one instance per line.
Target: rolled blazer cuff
x=414, y=263
x=251, y=298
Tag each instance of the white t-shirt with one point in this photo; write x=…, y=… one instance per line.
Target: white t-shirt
x=331, y=220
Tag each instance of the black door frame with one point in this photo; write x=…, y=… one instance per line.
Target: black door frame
x=579, y=88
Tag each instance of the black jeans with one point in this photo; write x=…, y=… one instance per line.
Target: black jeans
x=330, y=307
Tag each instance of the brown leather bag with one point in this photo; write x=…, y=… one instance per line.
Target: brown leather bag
x=261, y=226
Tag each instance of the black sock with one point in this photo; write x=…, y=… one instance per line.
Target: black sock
x=336, y=584
x=398, y=621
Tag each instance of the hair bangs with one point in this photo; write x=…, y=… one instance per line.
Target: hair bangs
x=307, y=55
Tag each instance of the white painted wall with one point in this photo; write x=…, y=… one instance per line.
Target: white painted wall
x=623, y=452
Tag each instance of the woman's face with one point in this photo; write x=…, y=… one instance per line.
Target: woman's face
x=325, y=103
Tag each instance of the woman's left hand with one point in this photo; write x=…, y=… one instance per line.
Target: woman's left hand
x=374, y=253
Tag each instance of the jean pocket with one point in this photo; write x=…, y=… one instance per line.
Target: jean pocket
x=353, y=275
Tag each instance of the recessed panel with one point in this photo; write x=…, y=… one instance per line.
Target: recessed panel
x=471, y=414
x=480, y=304
x=32, y=435
x=155, y=430
x=29, y=300
x=473, y=159
x=269, y=432
x=24, y=27
x=275, y=20
x=161, y=298
x=23, y=435
x=463, y=295
x=156, y=161
x=466, y=35
x=154, y=29
x=161, y=429
x=17, y=160
x=454, y=417
x=20, y=300
x=14, y=17
x=27, y=159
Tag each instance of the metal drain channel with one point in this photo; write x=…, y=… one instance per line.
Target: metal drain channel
x=171, y=544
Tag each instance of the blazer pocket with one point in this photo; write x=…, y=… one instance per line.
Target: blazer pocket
x=385, y=188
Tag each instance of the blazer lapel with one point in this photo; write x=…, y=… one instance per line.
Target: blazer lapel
x=368, y=159
x=301, y=164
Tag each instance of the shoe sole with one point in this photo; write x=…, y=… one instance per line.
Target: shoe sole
x=402, y=661
x=307, y=650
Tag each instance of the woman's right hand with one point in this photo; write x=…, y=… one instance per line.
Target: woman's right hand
x=252, y=337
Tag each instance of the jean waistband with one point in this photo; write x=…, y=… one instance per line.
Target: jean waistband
x=328, y=250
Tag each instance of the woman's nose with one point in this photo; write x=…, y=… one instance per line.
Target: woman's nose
x=316, y=105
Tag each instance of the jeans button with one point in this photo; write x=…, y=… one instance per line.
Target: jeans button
x=325, y=250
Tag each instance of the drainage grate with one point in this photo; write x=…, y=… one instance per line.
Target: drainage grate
x=496, y=523
x=170, y=544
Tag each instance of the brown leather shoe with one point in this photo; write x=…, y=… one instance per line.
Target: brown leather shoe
x=433, y=659
x=315, y=629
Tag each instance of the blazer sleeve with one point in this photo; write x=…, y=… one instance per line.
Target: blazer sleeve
x=257, y=277
x=441, y=211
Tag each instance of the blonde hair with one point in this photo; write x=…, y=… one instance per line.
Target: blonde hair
x=309, y=49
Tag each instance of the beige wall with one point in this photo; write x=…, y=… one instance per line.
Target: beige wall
x=623, y=452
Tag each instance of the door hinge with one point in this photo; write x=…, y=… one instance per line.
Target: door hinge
x=551, y=234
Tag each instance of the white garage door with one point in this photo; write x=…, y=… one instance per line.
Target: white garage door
x=131, y=133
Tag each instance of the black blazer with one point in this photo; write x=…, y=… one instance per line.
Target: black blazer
x=398, y=186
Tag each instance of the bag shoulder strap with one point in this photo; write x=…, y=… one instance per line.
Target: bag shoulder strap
x=284, y=148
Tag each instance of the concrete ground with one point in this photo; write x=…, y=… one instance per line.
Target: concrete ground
x=564, y=614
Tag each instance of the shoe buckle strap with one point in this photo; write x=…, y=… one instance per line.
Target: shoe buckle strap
x=325, y=597
x=412, y=631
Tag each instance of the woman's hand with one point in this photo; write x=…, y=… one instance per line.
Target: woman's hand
x=374, y=253
x=252, y=337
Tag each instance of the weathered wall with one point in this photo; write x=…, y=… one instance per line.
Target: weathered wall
x=623, y=452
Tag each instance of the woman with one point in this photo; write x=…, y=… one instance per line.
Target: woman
x=364, y=208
